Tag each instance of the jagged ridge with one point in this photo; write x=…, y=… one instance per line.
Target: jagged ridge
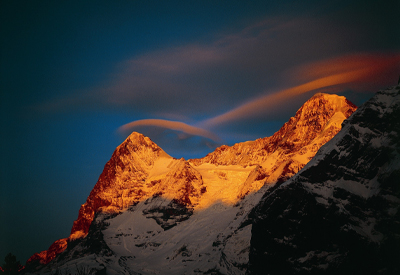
x=288, y=150
x=139, y=170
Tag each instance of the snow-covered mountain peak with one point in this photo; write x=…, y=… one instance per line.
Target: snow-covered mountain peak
x=359, y=135
x=315, y=115
x=318, y=119
x=141, y=148
x=290, y=148
x=166, y=193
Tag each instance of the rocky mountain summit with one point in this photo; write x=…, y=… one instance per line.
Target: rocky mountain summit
x=150, y=213
x=288, y=150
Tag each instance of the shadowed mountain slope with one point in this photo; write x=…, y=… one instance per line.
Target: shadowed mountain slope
x=340, y=214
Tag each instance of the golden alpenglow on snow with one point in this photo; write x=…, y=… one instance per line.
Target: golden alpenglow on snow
x=151, y=213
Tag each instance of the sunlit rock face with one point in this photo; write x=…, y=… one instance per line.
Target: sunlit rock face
x=340, y=214
x=46, y=256
x=288, y=150
x=122, y=182
x=153, y=213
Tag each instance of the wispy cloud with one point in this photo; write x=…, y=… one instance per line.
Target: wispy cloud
x=172, y=125
x=251, y=73
x=205, y=78
x=198, y=77
x=355, y=71
x=367, y=67
x=335, y=73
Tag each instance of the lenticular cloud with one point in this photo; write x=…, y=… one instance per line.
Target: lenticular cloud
x=173, y=125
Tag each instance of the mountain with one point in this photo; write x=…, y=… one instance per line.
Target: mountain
x=288, y=150
x=151, y=213
x=340, y=214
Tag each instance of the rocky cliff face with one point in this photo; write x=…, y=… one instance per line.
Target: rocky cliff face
x=121, y=183
x=340, y=214
x=157, y=197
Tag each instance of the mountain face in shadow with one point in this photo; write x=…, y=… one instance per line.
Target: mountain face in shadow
x=340, y=214
x=150, y=213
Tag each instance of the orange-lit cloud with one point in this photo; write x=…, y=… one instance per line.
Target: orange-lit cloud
x=338, y=73
x=365, y=66
x=200, y=78
x=173, y=125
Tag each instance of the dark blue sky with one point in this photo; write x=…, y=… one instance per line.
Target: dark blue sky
x=73, y=73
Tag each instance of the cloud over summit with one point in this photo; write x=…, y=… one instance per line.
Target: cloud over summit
x=173, y=125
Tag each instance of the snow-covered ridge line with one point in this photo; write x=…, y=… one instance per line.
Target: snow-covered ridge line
x=143, y=183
